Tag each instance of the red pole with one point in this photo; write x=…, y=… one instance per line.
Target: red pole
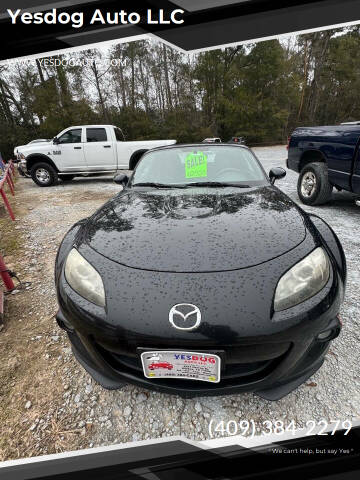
x=7, y=204
x=11, y=176
x=11, y=185
x=9, y=284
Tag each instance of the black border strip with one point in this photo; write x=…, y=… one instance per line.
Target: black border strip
x=261, y=24
x=316, y=456
x=201, y=29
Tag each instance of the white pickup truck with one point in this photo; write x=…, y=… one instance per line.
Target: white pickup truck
x=82, y=150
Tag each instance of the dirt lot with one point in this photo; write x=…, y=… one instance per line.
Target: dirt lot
x=49, y=404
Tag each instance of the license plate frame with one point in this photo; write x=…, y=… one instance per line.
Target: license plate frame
x=181, y=365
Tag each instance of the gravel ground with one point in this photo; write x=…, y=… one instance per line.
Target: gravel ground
x=105, y=417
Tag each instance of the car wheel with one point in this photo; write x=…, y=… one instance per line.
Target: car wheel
x=66, y=178
x=313, y=184
x=44, y=175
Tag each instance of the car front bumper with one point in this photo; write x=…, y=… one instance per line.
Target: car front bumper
x=270, y=366
x=22, y=167
x=275, y=380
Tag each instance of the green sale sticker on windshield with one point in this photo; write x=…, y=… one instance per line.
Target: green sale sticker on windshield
x=196, y=165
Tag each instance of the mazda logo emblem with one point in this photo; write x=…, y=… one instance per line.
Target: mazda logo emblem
x=185, y=316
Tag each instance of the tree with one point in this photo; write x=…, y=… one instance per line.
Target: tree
x=261, y=91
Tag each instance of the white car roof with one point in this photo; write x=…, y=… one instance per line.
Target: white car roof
x=91, y=126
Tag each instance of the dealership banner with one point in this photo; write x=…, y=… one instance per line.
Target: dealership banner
x=328, y=455
x=33, y=27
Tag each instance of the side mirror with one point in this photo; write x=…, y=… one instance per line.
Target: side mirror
x=56, y=141
x=276, y=173
x=121, y=179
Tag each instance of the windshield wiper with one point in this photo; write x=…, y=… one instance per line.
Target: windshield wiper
x=217, y=184
x=188, y=185
x=158, y=185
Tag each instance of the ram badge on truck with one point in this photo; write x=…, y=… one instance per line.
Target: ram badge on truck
x=325, y=157
x=83, y=150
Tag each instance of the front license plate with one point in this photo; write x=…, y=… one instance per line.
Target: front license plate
x=184, y=365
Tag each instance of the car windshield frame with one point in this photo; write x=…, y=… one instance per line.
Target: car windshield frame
x=141, y=183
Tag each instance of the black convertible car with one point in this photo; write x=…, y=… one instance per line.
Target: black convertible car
x=201, y=278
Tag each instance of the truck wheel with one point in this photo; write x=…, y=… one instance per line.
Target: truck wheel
x=44, y=174
x=313, y=184
x=66, y=178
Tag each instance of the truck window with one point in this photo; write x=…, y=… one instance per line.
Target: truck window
x=96, y=135
x=119, y=135
x=71, y=136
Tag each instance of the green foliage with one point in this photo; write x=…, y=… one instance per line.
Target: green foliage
x=261, y=91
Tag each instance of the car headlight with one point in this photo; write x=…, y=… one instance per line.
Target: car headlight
x=84, y=279
x=303, y=280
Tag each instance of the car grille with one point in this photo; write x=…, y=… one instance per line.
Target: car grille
x=233, y=368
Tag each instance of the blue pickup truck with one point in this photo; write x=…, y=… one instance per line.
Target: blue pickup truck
x=325, y=158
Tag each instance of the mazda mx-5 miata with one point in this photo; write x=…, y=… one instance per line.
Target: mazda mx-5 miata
x=202, y=262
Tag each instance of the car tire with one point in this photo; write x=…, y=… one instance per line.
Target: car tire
x=66, y=178
x=44, y=174
x=313, y=184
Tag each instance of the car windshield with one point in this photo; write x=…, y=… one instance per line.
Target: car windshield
x=183, y=166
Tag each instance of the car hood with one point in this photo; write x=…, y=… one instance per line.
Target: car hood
x=43, y=147
x=195, y=230
x=19, y=146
